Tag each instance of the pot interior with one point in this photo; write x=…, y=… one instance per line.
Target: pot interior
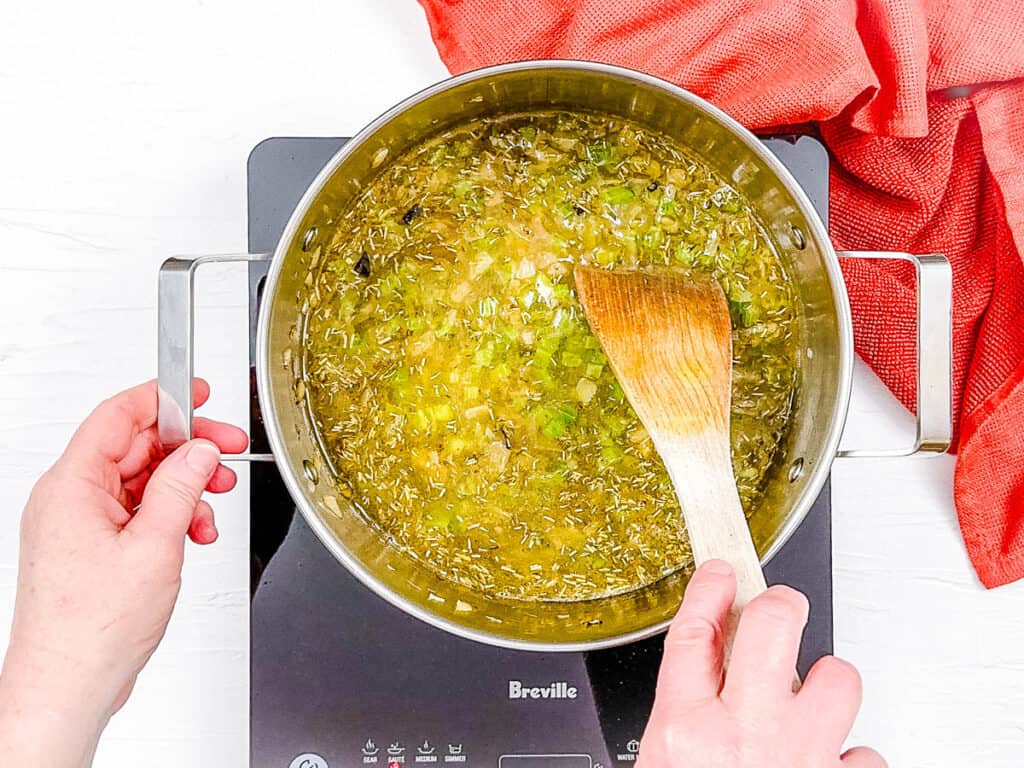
x=818, y=412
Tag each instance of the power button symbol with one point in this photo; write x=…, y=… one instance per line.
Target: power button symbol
x=308, y=760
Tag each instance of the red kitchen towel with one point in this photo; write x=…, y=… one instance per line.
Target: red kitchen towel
x=915, y=168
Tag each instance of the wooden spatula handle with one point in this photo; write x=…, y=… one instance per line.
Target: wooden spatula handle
x=703, y=481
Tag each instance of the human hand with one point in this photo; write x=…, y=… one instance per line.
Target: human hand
x=753, y=719
x=97, y=580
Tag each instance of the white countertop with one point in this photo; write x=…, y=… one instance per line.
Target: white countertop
x=124, y=130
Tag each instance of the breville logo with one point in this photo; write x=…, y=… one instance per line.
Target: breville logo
x=559, y=690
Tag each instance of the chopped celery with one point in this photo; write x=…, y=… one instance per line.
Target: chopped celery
x=488, y=306
x=741, y=308
x=420, y=420
x=600, y=153
x=668, y=207
x=617, y=195
x=571, y=360
x=484, y=356
x=686, y=255
x=651, y=239
x=442, y=412
x=558, y=420
x=561, y=292
x=612, y=453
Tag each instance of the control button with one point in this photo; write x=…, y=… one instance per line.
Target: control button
x=308, y=760
x=370, y=751
x=425, y=752
x=396, y=755
x=455, y=754
x=629, y=755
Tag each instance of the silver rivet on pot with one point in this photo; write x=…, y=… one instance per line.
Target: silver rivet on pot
x=798, y=237
x=310, y=471
x=308, y=239
x=795, y=470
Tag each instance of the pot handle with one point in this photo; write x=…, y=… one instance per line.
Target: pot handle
x=934, y=353
x=175, y=341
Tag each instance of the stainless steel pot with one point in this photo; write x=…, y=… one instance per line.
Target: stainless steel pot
x=818, y=415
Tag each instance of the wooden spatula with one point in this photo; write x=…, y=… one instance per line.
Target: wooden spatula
x=668, y=340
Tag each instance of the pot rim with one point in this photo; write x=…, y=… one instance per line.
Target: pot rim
x=325, y=534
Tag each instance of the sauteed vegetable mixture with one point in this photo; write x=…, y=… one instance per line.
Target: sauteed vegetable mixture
x=459, y=395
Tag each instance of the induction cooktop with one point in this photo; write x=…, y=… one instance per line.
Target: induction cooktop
x=340, y=678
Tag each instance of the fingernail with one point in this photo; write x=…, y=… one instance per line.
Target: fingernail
x=203, y=457
x=717, y=568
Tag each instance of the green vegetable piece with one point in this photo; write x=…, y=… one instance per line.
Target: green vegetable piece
x=611, y=454
x=556, y=421
x=488, y=306
x=686, y=255
x=440, y=518
x=571, y=359
x=484, y=356
x=741, y=308
x=554, y=429
x=568, y=413
x=617, y=195
x=438, y=155
x=462, y=187
x=743, y=249
x=651, y=239
x=420, y=420
x=442, y=413
x=600, y=153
